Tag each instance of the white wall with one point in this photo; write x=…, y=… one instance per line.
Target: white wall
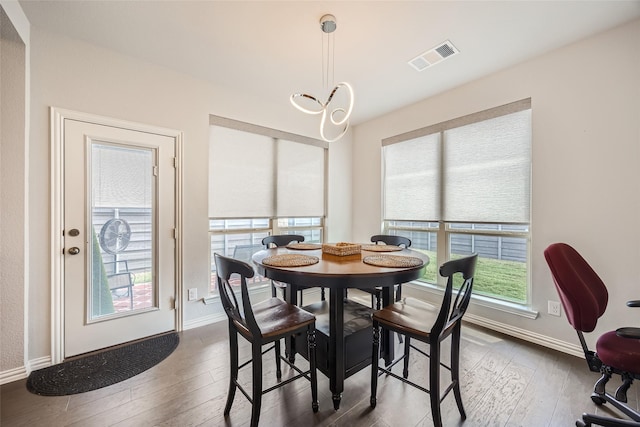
x=14, y=86
x=586, y=179
x=77, y=76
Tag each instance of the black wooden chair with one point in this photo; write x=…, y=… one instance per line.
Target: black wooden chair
x=426, y=323
x=376, y=293
x=584, y=297
x=264, y=323
x=283, y=240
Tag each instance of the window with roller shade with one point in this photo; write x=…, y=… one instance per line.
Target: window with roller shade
x=261, y=182
x=463, y=186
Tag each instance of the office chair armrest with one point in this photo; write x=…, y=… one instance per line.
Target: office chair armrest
x=633, y=333
x=633, y=303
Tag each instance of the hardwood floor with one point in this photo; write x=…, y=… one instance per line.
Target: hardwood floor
x=505, y=382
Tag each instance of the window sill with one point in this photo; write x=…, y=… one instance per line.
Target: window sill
x=479, y=300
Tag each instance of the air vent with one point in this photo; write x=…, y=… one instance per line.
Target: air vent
x=431, y=57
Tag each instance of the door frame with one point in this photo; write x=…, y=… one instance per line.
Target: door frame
x=57, y=118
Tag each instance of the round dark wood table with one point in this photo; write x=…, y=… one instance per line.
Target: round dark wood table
x=346, y=351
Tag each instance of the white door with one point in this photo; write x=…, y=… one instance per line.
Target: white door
x=119, y=220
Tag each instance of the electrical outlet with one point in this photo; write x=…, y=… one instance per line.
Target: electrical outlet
x=193, y=294
x=553, y=308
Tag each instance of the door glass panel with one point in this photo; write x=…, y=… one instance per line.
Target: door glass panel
x=121, y=277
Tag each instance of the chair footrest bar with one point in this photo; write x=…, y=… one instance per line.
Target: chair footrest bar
x=392, y=364
x=295, y=368
x=287, y=381
x=243, y=392
x=404, y=380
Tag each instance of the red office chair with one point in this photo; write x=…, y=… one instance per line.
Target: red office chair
x=584, y=298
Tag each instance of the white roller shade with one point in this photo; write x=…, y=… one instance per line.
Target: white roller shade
x=487, y=170
x=412, y=179
x=241, y=175
x=300, y=180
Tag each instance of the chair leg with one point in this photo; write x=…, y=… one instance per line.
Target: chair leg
x=233, y=371
x=256, y=364
x=407, y=348
x=311, y=342
x=621, y=392
x=375, y=358
x=273, y=290
x=600, y=387
x=278, y=363
x=455, y=370
x=434, y=383
x=399, y=293
x=322, y=298
x=300, y=299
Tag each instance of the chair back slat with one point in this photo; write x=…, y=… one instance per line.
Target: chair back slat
x=450, y=315
x=281, y=240
x=241, y=314
x=389, y=239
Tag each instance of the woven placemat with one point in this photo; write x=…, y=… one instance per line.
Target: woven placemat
x=392, y=261
x=304, y=246
x=381, y=248
x=290, y=260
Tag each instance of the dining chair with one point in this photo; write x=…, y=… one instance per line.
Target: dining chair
x=584, y=297
x=427, y=323
x=376, y=293
x=261, y=324
x=274, y=241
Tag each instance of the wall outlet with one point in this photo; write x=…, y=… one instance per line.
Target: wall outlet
x=553, y=308
x=193, y=294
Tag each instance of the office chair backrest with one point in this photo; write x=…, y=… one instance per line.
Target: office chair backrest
x=281, y=240
x=391, y=240
x=240, y=314
x=450, y=315
x=583, y=294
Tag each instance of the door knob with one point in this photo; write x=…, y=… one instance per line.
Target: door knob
x=74, y=251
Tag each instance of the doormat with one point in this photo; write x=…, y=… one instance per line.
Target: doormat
x=102, y=369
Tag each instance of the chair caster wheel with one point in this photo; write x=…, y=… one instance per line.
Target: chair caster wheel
x=373, y=402
x=580, y=424
x=597, y=399
x=315, y=407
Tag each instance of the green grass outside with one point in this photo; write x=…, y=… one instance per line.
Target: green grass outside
x=497, y=278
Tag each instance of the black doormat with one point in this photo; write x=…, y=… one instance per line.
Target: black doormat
x=101, y=369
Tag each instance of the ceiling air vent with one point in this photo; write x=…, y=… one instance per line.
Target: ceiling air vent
x=431, y=57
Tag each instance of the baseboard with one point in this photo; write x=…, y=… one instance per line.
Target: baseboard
x=523, y=334
x=203, y=321
x=12, y=375
x=22, y=372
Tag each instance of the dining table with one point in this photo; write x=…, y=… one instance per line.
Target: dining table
x=343, y=327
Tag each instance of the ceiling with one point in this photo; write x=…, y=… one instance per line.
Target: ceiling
x=273, y=48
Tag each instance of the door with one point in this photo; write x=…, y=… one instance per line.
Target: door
x=119, y=220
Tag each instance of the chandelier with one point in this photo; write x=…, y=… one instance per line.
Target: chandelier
x=336, y=110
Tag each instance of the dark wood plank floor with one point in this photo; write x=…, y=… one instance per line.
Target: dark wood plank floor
x=505, y=382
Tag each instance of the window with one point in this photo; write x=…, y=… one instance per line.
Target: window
x=262, y=182
x=463, y=186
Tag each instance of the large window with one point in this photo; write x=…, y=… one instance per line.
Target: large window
x=262, y=182
x=461, y=187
